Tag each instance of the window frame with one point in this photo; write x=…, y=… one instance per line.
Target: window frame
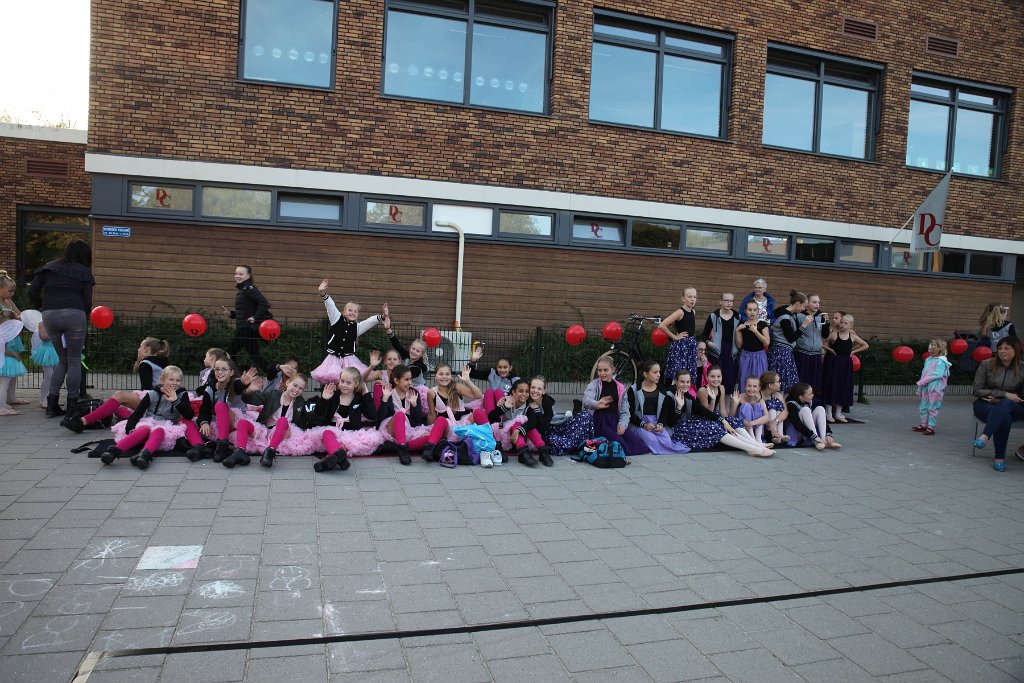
x=159, y=182
x=277, y=218
x=471, y=16
x=520, y=236
x=394, y=228
x=659, y=47
x=772, y=258
x=1001, y=112
x=700, y=251
x=333, y=69
x=820, y=80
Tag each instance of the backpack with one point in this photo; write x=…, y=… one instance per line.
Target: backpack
x=452, y=453
x=600, y=452
x=95, y=448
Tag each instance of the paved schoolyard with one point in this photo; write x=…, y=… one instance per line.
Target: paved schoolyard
x=288, y=554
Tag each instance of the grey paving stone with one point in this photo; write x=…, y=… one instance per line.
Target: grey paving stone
x=464, y=557
x=641, y=629
x=875, y=655
x=981, y=640
x=448, y=663
x=957, y=663
x=366, y=655
x=410, y=573
x=70, y=599
x=712, y=635
x=540, y=667
x=672, y=661
x=823, y=621
x=56, y=666
x=484, y=580
x=358, y=617
x=835, y=670
x=312, y=668
x=490, y=607
x=287, y=605
x=41, y=561
x=520, y=566
x=214, y=625
x=422, y=598
x=205, y=667
x=144, y=611
x=598, y=650
x=992, y=615
x=752, y=665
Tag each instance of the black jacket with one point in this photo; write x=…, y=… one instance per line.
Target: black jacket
x=62, y=285
x=250, y=303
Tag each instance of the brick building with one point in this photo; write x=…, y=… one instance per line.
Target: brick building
x=598, y=157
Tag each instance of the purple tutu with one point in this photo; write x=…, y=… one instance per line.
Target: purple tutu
x=809, y=368
x=660, y=443
x=698, y=433
x=780, y=359
x=606, y=424
x=567, y=436
x=329, y=371
x=752, y=364
x=681, y=354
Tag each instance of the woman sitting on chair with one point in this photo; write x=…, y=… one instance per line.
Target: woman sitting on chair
x=998, y=394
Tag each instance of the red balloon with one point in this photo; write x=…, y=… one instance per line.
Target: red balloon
x=958, y=346
x=270, y=330
x=856, y=363
x=575, y=335
x=925, y=355
x=658, y=337
x=101, y=317
x=982, y=353
x=612, y=332
x=903, y=354
x=193, y=324
x=431, y=337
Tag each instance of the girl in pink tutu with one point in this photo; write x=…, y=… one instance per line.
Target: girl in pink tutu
x=283, y=411
x=349, y=417
x=513, y=424
x=380, y=377
x=345, y=331
x=402, y=418
x=414, y=358
x=163, y=416
x=445, y=406
x=499, y=378
x=221, y=407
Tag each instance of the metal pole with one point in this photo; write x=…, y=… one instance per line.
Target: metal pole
x=458, y=277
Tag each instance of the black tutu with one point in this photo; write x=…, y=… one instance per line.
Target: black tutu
x=698, y=433
x=809, y=368
x=566, y=437
x=837, y=385
x=681, y=354
x=780, y=359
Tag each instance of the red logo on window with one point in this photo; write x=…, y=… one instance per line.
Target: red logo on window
x=396, y=215
x=596, y=229
x=162, y=196
x=766, y=244
x=906, y=258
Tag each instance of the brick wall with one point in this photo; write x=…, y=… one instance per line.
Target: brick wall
x=167, y=269
x=164, y=85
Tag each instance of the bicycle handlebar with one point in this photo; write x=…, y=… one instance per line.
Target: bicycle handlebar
x=636, y=317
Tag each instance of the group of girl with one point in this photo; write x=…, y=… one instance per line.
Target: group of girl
x=11, y=368
x=798, y=341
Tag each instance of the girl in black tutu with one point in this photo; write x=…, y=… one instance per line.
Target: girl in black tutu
x=843, y=343
x=681, y=328
x=700, y=428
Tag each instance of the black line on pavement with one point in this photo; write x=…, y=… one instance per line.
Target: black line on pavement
x=549, y=621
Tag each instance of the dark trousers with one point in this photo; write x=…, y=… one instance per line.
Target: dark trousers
x=245, y=338
x=998, y=418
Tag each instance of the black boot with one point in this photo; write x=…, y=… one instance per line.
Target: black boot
x=142, y=459
x=523, y=455
x=323, y=464
x=430, y=452
x=238, y=457
x=577, y=406
x=403, y=454
x=73, y=422
x=197, y=453
x=267, y=460
x=545, y=456
x=112, y=453
x=53, y=408
x=221, y=451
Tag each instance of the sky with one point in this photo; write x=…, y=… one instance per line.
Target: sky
x=44, y=62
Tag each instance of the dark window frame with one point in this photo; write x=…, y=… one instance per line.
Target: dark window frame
x=470, y=15
x=24, y=224
x=524, y=237
x=657, y=250
x=659, y=47
x=820, y=80
x=395, y=228
x=1000, y=140
x=139, y=210
x=276, y=217
x=242, y=78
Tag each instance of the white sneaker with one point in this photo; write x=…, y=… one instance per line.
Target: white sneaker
x=496, y=458
x=485, y=459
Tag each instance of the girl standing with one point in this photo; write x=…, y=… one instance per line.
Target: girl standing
x=804, y=425
x=699, y=428
x=652, y=412
x=12, y=368
x=719, y=331
x=681, y=327
x=843, y=343
x=345, y=331
x=784, y=333
x=752, y=409
x=751, y=339
x=499, y=378
x=251, y=308
x=812, y=324
x=932, y=386
x=446, y=406
x=352, y=419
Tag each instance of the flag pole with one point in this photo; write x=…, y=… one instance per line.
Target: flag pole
x=900, y=231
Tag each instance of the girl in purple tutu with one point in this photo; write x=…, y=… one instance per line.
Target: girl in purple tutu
x=681, y=327
x=843, y=344
x=751, y=340
x=775, y=402
x=807, y=352
x=699, y=428
x=752, y=409
x=346, y=328
x=652, y=412
x=606, y=397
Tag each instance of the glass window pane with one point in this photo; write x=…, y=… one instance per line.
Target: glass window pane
x=926, y=135
x=850, y=72
x=607, y=29
x=820, y=251
x=788, y=112
x=767, y=245
x=622, y=85
x=858, y=253
x=900, y=258
x=655, y=235
x=228, y=202
x=987, y=264
x=794, y=62
x=934, y=91
x=695, y=45
x=312, y=208
x=844, y=121
x=525, y=224
x=691, y=96
x=949, y=262
x=518, y=11
x=424, y=57
x=973, y=148
x=42, y=246
x=975, y=97
x=160, y=197
x=289, y=41
x=714, y=240
x=474, y=220
x=390, y=213
x=598, y=230
x=56, y=218
x=508, y=68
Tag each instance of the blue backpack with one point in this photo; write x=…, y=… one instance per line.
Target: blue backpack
x=600, y=452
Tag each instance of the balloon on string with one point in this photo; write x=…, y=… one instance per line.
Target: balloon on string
x=270, y=330
x=658, y=337
x=101, y=317
x=856, y=363
x=612, y=332
x=575, y=335
x=193, y=324
x=431, y=337
x=982, y=353
x=903, y=354
x=958, y=346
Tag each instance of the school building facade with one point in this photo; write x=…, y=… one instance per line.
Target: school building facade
x=598, y=157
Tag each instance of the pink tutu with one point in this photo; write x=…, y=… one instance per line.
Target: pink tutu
x=503, y=432
x=358, y=442
x=329, y=371
x=172, y=431
x=298, y=442
x=473, y=405
x=411, y=433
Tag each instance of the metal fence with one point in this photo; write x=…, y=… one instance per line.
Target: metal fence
x=110, y=354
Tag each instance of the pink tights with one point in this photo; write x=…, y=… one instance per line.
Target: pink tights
x=223, y=415
x=151, y=438
x=437, y=431
x=491, y=398
x=533, y=436
x=246, y=428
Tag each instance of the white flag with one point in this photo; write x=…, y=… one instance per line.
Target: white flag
x=926, y=228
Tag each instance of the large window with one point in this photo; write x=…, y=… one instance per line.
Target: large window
x=660, y=76
x=487, y=53
x=44, y=233
x=819, y=103
x=288, y=41
x=958, y=125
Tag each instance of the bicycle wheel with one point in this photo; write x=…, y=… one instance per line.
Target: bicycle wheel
x=625, y=368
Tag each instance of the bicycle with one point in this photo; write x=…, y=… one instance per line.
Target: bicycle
x=625, y=354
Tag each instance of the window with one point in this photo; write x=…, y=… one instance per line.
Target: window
x=44, y=234
x=229, y=202
x=659, y=76
x=512, y=223
x=822, y=104
x=474, y=220
x=164, y=198
x=486, y=53
x=949, y=262
x=811, y=249
x=289, y=42
x=864, y=254
x=394, y=214
x=958, y=125
x=900, y=258
x=311, y=208
x=650, y=235
x=598, y=230
x=987, y=264
x=711, y=240
x=772, y=246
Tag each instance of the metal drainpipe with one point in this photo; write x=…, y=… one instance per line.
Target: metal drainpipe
x=458, y=277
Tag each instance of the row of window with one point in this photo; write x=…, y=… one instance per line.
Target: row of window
x=644, y=73
x=293, y=209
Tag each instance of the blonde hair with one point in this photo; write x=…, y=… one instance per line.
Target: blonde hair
x=992, y=317
x=940, y=344
x=170, y=370
x=157, y=347
x=6, y=280
x=847, y=316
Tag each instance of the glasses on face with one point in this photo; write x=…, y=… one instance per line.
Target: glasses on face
x=222, y=369
x=727, y=301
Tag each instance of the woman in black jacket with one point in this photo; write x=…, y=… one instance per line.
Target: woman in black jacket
x=62, y=290
x=251, y=308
